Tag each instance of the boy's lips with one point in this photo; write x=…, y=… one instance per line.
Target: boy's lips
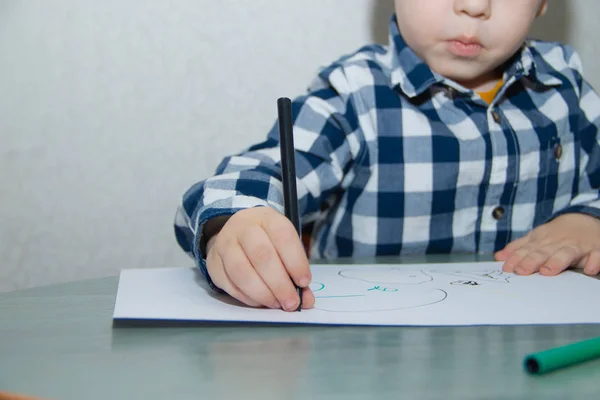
x=465, y=46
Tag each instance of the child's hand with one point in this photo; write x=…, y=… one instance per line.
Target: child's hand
x=568, y=240
x=253, y=257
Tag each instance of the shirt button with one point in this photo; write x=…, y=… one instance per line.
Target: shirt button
x=496, y=117
x=498, y=213
x=558, y=150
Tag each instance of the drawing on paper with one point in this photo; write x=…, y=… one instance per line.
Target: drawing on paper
x=494, y=275
x=390, y=289
x=373, y=301
x=383, y=289
x=316, y=286
x=394, y=276
x=466, y=283
x=377, y=289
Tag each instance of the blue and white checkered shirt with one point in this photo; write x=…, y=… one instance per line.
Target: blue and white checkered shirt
x=394, y=159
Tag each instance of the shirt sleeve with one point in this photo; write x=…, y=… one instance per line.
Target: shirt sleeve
x=326, y=140
x=586, y=197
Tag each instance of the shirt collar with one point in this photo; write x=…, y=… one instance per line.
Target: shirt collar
x=413, y=76
x=409, y=71
x=528, y=63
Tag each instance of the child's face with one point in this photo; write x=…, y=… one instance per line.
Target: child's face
x=467, y=40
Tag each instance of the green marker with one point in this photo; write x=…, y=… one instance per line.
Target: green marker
x=560, y=357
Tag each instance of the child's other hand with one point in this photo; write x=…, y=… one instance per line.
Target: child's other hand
x=254, y=258
x=569, y=240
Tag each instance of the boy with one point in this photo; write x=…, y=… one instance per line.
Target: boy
x=460, y=136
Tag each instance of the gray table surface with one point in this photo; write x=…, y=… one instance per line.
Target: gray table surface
x=58, y=342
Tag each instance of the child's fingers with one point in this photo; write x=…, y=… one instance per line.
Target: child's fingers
x=510, y=248
x=534, y=259
x=242, y=274
x=266, y=262
x=308, y=298
x=513, y=263
x=562, y=259
x=592, y=265
x=217, y=273
x=289, y=247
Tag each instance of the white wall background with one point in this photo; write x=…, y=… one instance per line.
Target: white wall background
x=110, y=110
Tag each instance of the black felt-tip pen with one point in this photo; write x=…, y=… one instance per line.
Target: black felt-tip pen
x=288, y=169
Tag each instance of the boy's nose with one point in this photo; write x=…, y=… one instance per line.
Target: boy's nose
x=473, y=8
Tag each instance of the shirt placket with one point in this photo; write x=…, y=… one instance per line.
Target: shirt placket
x=504, y=167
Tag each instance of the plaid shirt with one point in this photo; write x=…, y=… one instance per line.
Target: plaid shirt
x=394, y=159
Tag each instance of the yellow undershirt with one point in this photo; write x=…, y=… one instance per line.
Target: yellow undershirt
x=488, y=96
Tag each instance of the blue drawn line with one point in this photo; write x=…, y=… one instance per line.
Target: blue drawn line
x=317, y=283
x=334, y=297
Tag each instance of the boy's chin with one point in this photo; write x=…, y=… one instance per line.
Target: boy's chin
x=472, y=78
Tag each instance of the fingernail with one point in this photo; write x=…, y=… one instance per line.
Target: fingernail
x=546, y=270
x=304, y=281
x=291, y=304
x=276, y=306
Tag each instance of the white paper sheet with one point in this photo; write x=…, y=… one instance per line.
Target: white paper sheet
x=403, y=295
